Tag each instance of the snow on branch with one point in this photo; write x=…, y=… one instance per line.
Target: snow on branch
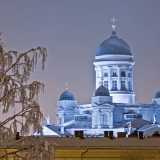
x=15, y=70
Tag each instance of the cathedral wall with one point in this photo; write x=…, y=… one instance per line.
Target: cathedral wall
x=118, y=114
x=148, y=113
x=66, y=103
x=101, y=99
x=69, y=117
x=64, y=116
x=123, y=98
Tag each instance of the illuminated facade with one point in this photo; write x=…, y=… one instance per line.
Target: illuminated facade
x=113, y=106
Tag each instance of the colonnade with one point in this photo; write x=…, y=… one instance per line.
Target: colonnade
x=127, y=69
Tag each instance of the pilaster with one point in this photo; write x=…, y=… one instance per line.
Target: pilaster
x=96, y=70
x=119, y=79
x=99, y=118
x=109, y=78
x=132, y=78
x=111, y=119
x=127, y=79
x=93, y=119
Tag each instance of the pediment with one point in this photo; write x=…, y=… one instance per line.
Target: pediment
x=104, y=104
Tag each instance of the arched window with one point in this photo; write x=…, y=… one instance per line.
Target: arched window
x=123, y=74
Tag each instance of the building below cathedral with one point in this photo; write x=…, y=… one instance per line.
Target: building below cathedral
x=112, y=106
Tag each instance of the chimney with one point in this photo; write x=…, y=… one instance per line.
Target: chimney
x=79, y=134
x=111, y=135
x=105, y=133
x=141, y=135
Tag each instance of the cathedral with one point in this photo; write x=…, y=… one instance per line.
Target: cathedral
x=113, y=106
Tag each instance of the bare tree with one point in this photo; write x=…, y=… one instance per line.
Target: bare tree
x=15, y=70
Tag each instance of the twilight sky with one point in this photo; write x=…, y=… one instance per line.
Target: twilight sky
x=72, y=30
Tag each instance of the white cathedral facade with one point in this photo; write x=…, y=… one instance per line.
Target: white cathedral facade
x=112, y=106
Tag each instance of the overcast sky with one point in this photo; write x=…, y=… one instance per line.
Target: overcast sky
x=72, y=30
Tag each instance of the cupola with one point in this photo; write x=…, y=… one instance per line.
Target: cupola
x=101, y=91
x=66, y=99
x=101, y=95
x=113, y=46
x=66, y=95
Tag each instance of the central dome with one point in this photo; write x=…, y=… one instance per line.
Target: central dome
x=113, y=46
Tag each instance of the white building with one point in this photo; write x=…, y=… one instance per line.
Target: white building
x=113, y=104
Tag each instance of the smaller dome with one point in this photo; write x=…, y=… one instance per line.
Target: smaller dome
x=66, y=95
x=101, y=91
x=157, y=95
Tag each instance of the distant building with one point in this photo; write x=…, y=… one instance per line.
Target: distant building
x=113, y=106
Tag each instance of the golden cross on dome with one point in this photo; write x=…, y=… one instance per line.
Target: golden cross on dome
x=113, y=25
x=66, y=86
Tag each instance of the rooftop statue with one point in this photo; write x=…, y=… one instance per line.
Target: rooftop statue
x=154, y=118
x=129, y=128
x=48, y=120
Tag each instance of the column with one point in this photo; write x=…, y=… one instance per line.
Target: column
x=119, y=79
x=109, y=78
x=102, y=124
x=101, y=75
x=111, y=119
x=99, y=118
x=96, y=77
x=58, y=121
x=62, y=118
x=132, y=78
x=127, y=79
x=93, y=119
